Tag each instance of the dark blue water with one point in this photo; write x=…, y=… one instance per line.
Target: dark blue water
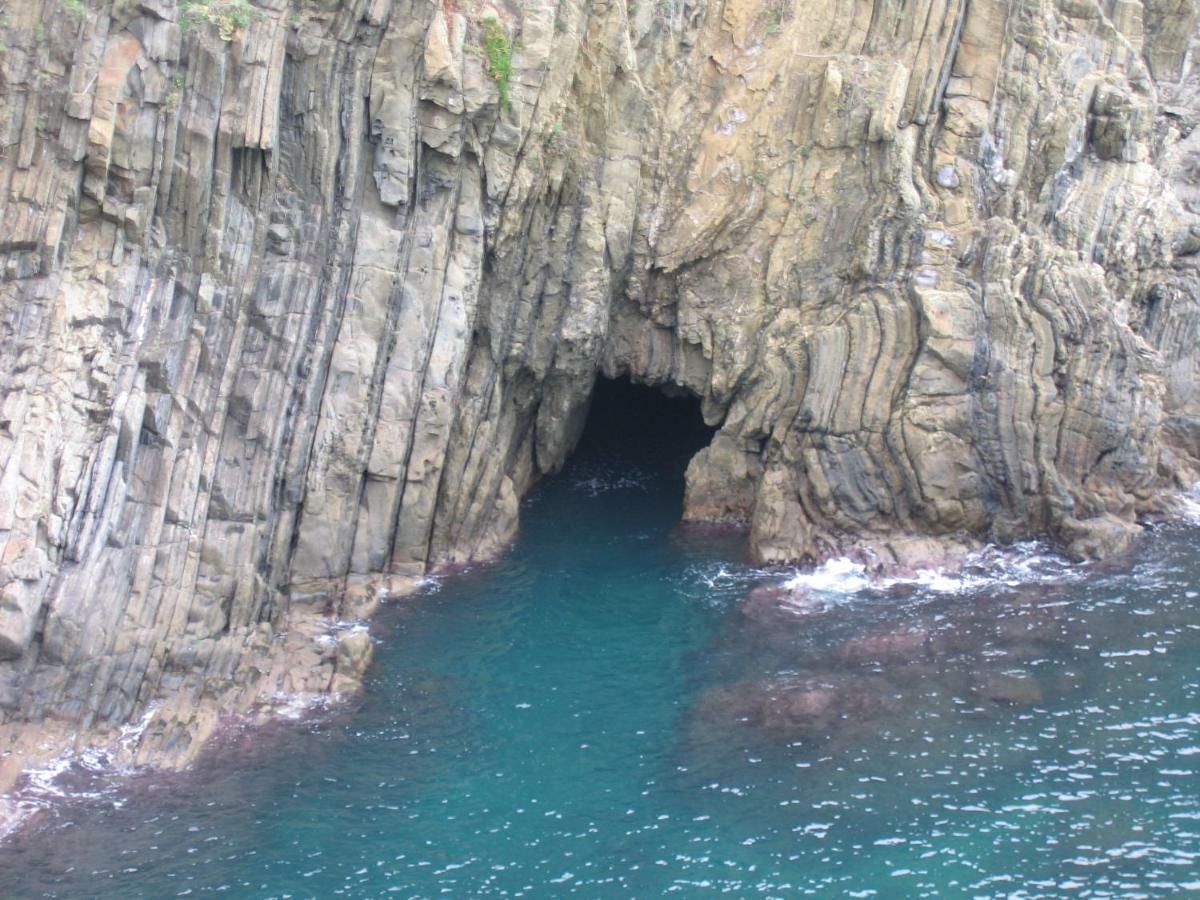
x=600, y=714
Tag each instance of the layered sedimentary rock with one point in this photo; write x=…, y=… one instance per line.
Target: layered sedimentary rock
x=298, y=300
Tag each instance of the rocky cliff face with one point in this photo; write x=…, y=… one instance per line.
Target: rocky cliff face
x=298, y=300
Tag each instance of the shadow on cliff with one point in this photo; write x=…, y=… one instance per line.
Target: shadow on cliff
x=658, y=429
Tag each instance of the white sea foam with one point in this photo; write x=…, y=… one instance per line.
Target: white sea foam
x=430, y=584
x=42, y=782
x=42, y=789
x=723, y=576
x=1030, y=562
x=94, y=772
x=12, y=817
x=113, y=759
x=297, y=706
x=715, y=584
x=835, y=576
x=1186, y=505
x=133, y=731
x=604, y=481
x=43, y=785
x=339, y=627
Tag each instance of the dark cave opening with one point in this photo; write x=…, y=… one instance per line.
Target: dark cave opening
x=652, y=427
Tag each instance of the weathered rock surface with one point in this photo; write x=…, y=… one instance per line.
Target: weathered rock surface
x=293, y=308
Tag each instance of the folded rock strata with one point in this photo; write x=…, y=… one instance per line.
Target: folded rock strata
x=295, y=308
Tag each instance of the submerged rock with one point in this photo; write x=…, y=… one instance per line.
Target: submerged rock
x=1009, y=688
x=887, y=653
x=796, y=707
x=775, y=603
x=902, y=646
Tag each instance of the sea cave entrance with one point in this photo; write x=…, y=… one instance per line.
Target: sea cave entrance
x=655, y=428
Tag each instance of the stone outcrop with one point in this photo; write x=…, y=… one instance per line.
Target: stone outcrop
x=295, y=307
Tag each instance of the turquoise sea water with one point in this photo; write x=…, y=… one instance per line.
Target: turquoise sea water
x=601, y=714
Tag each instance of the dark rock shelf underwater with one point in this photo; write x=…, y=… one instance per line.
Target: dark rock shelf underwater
x=600, y=713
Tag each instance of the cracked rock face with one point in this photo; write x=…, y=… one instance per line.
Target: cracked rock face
x=294, y=307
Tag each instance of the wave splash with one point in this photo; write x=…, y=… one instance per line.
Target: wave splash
x=1028, y=562
x=86, y=775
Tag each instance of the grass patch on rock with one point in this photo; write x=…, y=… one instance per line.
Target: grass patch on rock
x=498, y=50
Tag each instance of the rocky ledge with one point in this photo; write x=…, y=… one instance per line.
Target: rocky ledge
x=298, y=299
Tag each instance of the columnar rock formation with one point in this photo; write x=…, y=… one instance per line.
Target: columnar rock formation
x=295, y=306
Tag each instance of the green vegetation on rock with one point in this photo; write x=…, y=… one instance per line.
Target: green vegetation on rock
x=498, y=48
x=229, y=16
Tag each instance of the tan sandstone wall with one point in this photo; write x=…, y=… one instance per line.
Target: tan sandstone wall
x=293, y=308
